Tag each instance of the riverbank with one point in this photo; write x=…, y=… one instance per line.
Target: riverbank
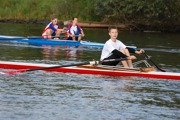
x=131, y=15
x=126, y=27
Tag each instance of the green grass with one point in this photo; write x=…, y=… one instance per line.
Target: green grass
x=44, y=9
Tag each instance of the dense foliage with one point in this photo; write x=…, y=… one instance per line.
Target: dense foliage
x=141, y=10
x=160, y=15
x=148, y=12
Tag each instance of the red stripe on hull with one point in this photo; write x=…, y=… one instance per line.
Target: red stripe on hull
x=95, y=71
x=114, y=73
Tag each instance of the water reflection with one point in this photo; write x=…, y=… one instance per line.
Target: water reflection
x=50, y=52
x=55, y=52
x=72, y=53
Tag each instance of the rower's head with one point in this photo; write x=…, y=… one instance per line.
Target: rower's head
x=113, y=32
x=54, y=20
x=74, y=20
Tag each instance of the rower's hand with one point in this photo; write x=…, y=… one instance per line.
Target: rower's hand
x=81, y=35
x=132, y=57
x=140, y=51
x=61, y=30
x=64, y=29
x=72, y=35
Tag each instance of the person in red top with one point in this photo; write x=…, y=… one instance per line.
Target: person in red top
x=52, y=30
x=74, y=31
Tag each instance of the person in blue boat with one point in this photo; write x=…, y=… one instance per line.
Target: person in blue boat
x=74, y=32
x=114, y=49
x=52, y=30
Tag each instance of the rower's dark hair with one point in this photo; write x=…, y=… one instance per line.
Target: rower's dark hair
x=112, y=27
x=74, y=18
x=53, y=17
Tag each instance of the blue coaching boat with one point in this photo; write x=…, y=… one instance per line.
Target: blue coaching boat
x=39, y=41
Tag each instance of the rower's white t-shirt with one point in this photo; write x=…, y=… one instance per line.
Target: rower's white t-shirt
x=73, y=30
x=109, y=46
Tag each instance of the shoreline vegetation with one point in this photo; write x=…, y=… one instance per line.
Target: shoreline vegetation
x=129, y=15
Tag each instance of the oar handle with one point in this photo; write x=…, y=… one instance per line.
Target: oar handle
x=113, y=60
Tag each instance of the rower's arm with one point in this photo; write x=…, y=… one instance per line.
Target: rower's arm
x=131, y=50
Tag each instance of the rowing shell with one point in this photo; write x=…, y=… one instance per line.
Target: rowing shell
x=92, y=70
x=38, y=41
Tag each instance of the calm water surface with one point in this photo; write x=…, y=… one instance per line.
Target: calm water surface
x=54, y=96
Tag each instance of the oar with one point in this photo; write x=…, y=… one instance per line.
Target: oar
x=44, y=68
x=37, y=37
x=153, y=62
x=52, y=67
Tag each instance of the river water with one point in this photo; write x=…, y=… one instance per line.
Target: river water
x=69, y=96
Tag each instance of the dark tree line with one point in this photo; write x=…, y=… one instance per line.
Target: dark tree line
x=158, y=14
x=142, y=14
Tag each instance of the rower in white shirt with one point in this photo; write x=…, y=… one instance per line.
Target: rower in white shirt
x=114, y=49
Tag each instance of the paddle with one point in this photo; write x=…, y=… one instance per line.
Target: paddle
x=52, y=67
x=153, y=62
x=44, y=68
x=37, y=37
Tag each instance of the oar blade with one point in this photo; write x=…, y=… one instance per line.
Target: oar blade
x=2, y=73
x=14, y=72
